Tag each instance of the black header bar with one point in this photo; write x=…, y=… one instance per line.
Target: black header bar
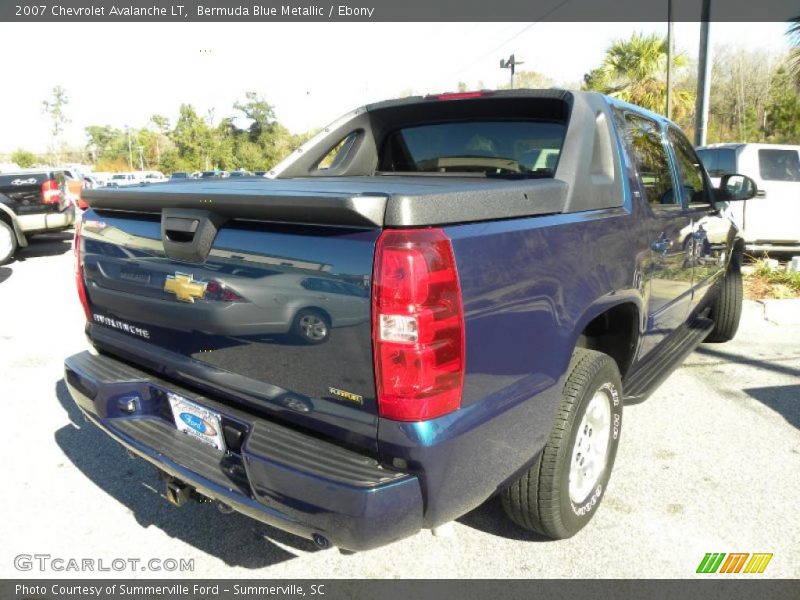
x=187, y=11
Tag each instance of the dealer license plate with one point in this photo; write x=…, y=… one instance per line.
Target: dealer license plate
x=196, y=421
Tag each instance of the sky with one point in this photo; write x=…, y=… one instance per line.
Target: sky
x=120, y=74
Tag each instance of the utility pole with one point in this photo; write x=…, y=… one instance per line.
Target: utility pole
x=510, y=64
x=668, y=112
x=703, y=78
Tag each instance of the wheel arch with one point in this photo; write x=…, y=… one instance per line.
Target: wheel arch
x=10, y=219
x=614, y=326
x=316, y=309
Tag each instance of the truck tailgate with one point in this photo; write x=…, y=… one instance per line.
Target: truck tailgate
x=275, y=318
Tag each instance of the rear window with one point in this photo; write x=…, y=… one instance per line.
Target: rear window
x=718, y=161
x=528, y=148
x=779, y=165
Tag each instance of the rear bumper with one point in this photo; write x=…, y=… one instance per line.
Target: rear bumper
x=290, y=480
x=47, y=221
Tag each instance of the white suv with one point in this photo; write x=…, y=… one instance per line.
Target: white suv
x=771, y=220
x=122, y=180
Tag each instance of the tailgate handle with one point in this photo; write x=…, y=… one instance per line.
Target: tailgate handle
x=188, y=234
x=178, y=229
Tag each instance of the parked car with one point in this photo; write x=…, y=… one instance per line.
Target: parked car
x=152, y=177
x=240, y=173
x=214, y=174
x=123, y=180
x=770, y=223
x=501, y=310
x=179, y=176
x=31, y=202
x=90, y=182
x=101, y=177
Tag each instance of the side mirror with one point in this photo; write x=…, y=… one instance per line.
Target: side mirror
x=734, y=187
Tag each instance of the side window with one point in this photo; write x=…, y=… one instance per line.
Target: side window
x=779, y=165
x=309, y=284
x=643, y=140
x=690, y=170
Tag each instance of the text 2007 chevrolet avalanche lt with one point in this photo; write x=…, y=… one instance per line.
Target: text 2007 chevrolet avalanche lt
x=434, y=301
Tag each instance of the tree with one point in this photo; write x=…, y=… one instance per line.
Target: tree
x=162, y=126
x=196, y=143
x=54, y=108
x=634, y=70
x=794, y=54
x=260, y=112
x=531, y=80
x=782, y=109
x=24, y=159
x=192, y=138
x=740, y=88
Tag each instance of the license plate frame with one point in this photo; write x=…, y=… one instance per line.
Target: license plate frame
x=197, y=421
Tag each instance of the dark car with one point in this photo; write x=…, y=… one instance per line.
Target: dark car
x=455, y=302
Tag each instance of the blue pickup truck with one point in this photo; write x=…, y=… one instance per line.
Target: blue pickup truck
x=436, y=300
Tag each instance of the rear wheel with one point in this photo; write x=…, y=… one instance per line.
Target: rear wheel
x=560, y=493
x=726, y=309
x=311, y=326
x=8, y=243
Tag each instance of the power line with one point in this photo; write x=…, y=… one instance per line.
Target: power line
x=513, y=37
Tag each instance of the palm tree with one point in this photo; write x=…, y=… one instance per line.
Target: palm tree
x=634, y=70
x=794, y=54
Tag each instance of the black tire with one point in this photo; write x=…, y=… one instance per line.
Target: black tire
x=726, y=308
x=540, y=500
x=311, y=326
x=8, y=243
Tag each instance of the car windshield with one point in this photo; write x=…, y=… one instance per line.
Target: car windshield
x=209, y=174
x=525, y=148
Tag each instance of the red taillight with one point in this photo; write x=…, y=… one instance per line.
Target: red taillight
x=217, y=291
x=418, y=325
x=461, y=95
x=51, y=193
x=81, y=283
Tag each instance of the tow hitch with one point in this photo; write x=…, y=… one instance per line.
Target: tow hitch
x=178, y=493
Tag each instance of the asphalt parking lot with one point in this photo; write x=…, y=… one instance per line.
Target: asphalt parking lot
x=710, y=463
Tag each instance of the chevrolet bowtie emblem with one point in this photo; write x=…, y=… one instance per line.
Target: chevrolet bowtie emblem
x=184, y=287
